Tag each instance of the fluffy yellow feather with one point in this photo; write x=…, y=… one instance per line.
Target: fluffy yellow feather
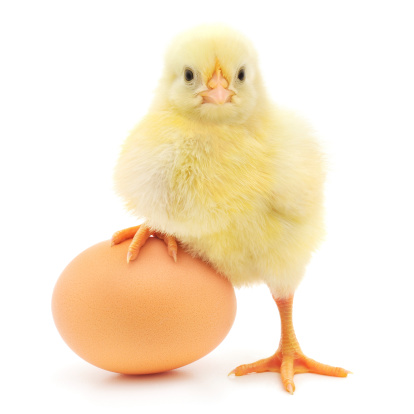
x=240, y=182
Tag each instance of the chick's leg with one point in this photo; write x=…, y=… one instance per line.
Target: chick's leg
x=289, y=358
x=139, y=235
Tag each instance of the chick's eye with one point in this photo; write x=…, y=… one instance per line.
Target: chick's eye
x=242, y=74
x=188, y=75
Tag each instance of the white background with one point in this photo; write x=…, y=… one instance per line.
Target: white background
x=77, y=75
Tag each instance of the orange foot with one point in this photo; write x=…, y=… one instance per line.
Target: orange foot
x=288, y=366
x=139, y=235
x=289, y=358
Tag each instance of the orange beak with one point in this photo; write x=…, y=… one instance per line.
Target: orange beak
x=217, y=91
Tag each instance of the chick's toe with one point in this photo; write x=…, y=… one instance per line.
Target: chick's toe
x=139, y=235
x=122, y=235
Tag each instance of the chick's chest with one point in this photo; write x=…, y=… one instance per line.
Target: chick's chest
x=220, y=172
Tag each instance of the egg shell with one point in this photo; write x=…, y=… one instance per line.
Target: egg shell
x=148, y=316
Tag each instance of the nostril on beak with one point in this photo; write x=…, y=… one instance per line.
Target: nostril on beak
x=217, y=79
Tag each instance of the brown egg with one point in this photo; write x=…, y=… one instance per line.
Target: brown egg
x=148, y=316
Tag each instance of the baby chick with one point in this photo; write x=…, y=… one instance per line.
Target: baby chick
x=235, y=179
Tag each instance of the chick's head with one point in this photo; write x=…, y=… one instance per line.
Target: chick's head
x=211, y=73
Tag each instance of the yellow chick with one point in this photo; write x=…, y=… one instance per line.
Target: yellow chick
x=235, y=179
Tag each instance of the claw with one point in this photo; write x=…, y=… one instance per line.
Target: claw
x=174, y=255
x=290, y=389
x=130, y=257
x=114, y=240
